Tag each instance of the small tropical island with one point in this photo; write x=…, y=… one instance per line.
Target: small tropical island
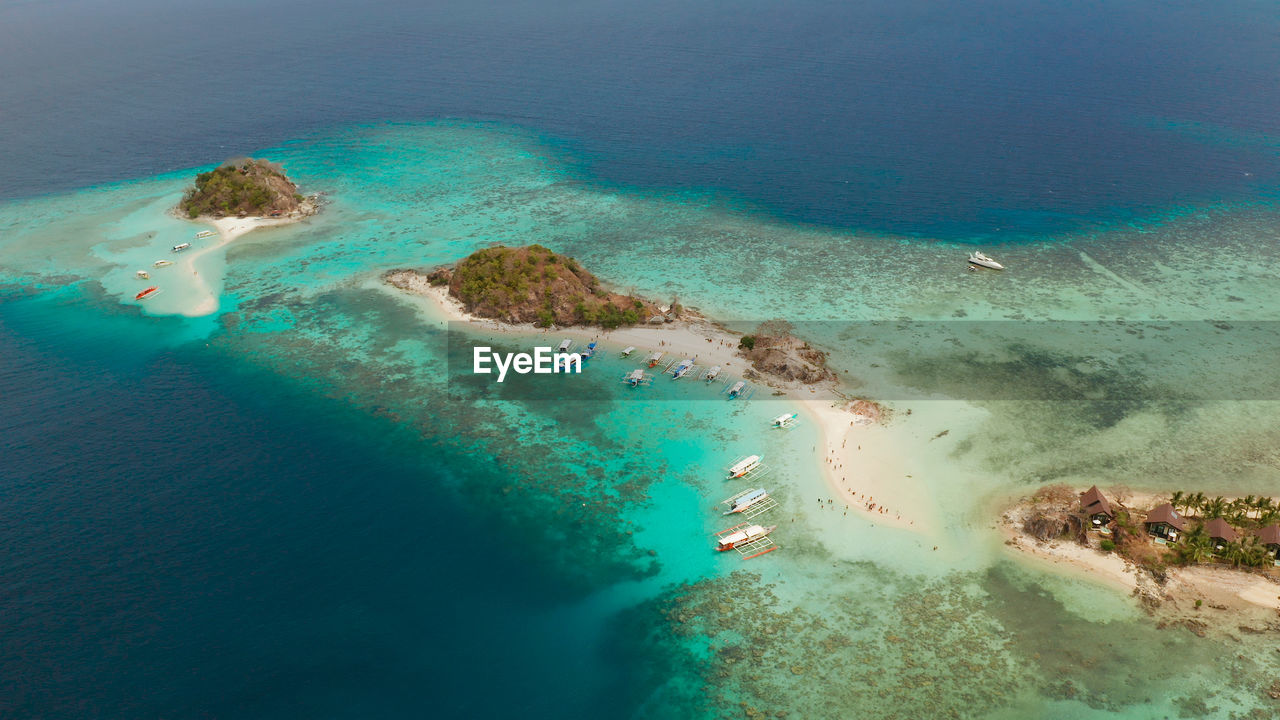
x=1213, y=550
x=531, y=291
x=244, y=187
x=534, y=286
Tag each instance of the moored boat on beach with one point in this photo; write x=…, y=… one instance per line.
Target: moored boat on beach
x=626, y=352
x=636, y=378
x=682, y=369
x=712, y=374
x=654, y=358
x=785, y=421
x=205, y=234
x=742, y=536
x=746, y=500
x=744, y=466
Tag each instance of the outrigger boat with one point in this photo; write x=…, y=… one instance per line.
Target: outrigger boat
x=654, y=358
x=712, y=374
x=743, y=502
x=204, y=234
x=744, y=466
x=161, y=263
x=737, y=389
x=785, y=421
x=636, y=378
x=626, y=352
x=142, y=275
x=565, y=345
x=742, y=535
x=682, y=369
x=977, y=258
x=591, y=350
x=147, y=293
x=181, y=246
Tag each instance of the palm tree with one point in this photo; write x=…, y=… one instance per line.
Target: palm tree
x=1176, y=499
x=1215, y=508
x=1238, y=511
x=1233, y=553
x=1269, y=516
x=1195, y=547
x=1246, y=504
x=1195, y=502
x=1263, y=505
x=1254, y=553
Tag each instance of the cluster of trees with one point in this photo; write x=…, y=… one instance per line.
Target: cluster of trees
x=241, y=187
x=1196, y=547
x=534, y=284
x=1240, y=512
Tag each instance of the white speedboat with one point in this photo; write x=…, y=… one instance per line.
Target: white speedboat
x=977, y=258
x=161, y=263
x=181, y=246
x=205, y=234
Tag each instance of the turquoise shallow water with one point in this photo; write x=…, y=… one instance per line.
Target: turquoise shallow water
x=609, y=500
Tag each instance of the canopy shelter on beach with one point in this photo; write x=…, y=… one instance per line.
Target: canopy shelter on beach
x=1269, y=536
x=1220, y=533
x=1165, y=522
x=1096, y=507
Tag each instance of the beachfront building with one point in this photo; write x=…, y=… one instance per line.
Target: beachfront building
x=1165, y=523
x=1269, y=536
x=1096, y=508
x=1220, y=533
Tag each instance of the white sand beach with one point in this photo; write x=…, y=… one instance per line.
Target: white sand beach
x=860, y=460
x=229, y=228
x=1214, y=585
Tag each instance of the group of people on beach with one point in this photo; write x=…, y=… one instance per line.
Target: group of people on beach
x=868, y=502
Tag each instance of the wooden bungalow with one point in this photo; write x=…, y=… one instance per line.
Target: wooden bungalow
x=1165, y=522
x=1269, y=536
x=1096, y=508
x=1220, y=533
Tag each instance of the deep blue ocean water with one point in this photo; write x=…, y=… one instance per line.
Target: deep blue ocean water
x=188, y=538
x=952, y=119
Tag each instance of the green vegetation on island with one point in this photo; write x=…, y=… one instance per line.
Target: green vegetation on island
x=535, y=285
x=1189, y=529
x=242, y=187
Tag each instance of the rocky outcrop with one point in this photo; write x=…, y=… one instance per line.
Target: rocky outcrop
x=775, y=352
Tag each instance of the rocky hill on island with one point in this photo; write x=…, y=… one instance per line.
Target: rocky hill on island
x=243, y=187
x=775, y=351
x=532, y=284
